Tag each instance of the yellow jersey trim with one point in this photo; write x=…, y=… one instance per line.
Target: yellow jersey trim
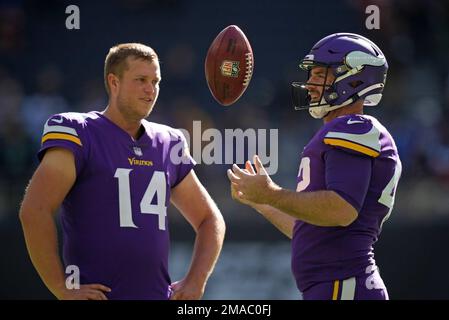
x=335, y=293
x=61, y=136
x=352, y=146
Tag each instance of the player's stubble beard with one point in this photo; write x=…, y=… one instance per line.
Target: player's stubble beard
x=133, y=110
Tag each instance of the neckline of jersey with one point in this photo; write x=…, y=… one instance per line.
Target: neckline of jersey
x=122, y=132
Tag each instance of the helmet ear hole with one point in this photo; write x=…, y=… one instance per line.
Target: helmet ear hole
x=355, y=83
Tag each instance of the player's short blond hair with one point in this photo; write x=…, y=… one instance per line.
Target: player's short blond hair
x=115, y=62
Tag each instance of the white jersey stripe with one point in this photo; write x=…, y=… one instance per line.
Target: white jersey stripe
x=348, y=289
x=369, y=139
x=60, y=129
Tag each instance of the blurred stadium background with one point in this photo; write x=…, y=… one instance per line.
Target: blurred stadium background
x=46, y=69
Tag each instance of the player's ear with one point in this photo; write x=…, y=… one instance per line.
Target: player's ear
x=113, y=82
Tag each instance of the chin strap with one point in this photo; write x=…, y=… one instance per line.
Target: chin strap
x=322, y=110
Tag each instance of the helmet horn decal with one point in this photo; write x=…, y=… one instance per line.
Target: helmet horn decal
x=355, y=59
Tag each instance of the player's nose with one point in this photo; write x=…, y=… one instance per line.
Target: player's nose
x=309, y=86
x=312, y=78
x=150, y=89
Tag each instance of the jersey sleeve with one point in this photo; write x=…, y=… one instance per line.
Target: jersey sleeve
x=180, y=162
x=349, y=175
x=354, y=134
x=65, y=130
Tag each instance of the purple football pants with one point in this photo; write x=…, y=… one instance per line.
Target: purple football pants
x=367, y=286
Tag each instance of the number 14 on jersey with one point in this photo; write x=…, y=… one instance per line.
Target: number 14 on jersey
x=157, y=185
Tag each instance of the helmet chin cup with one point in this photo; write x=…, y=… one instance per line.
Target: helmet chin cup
x=318, y=112
x=372, y=100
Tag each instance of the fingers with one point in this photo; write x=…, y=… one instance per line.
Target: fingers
x=236, y=174
x=103, y=296
x=239, y=178
x=175, y=296
x=237, y=171
x=236, y=194
x=98, y=287
x=232, y=177
x=86, y=292
x=257, y=163
x=180, y=294
x=234, y=185
x=175, y=287
x=186, y=295
x=95, y=295
x=249, y=167
x=259, y=166
x=95, y=291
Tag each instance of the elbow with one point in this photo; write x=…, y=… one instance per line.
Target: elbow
x=347, y=217
x=24, y=215
x=346, y=213
x=27, y=215
x=25, y=219
x=220, y=224
x=213, y=222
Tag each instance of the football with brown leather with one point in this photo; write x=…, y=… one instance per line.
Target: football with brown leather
x=229, y=65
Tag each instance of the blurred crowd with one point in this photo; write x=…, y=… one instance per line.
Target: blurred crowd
x=40, y=74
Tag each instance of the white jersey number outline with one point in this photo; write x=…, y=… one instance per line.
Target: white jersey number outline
x=304, y=170
x=389, y=192
x=156, y=186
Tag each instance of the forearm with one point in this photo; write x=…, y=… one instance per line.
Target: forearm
x=41, y=241
x=279, y=219
x=322, y=208
x=208, y=244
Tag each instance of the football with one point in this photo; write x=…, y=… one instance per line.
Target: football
x=229, y=65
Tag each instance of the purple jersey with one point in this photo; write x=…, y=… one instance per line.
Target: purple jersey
x=355, y=156
x=114, y=222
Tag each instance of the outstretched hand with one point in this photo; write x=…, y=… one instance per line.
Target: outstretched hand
x=249, y=186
